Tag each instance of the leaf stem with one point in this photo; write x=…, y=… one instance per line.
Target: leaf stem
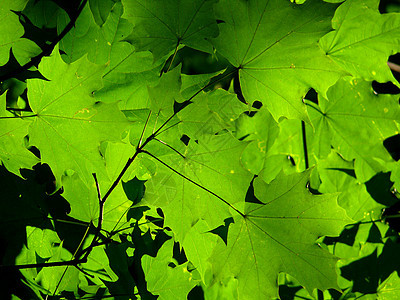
x=173, y=57
x=170, y=147
x=303, y=131
x=19, y=117
x=99, y=221
x=169, y=127
x=74, y=256
x=392, y=217
x=143, y=131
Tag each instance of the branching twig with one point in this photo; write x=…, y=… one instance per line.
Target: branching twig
x=143, y=131
x=84, y=272
x=99, y=221
x=86, y=252
x=72, y=262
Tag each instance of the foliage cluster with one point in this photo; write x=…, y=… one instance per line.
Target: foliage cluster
x=201, y=149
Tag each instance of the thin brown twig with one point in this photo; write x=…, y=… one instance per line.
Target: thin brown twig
x=393, y=66
x=71, y=262
x=100, y=219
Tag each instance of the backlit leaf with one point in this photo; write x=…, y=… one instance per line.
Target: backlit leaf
x=279, y=236
x=274, y=44
x=162, y=26
x=70, y=138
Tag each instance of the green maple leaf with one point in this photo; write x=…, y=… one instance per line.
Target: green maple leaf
x=41, y=241
x=356, y=128
x=98, y=264
x=12, y=32
x=99, y=42
x=69, y=124
x=210, y=113
x=279, y=236
x=101, y=9
x=337, y=175
x=198, y=245
x=389, y=288
x=42, y=14
x=13, y=153
x=162, y=96
x=162, y=26
x=262, y=131
x=50, y=277
x=128, y=77
x=128, y=72
x=358, y=30
x=163, y=280
x=273, y=146
x=202, y=161
x=274, y=44
x=212, y=162
x=46, y=245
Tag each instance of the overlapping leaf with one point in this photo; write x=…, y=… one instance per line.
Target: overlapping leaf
x=12, y=32
x=170, y=283
x=99, y=43
x=211, y=113
x=195, y=164
x=274, y=44
x=198, y=246
x=355, y=121
x=69, y=124
x=128, y=72
x=13, y=152
x=337, y=175
x=274, y=146
x=279, y=236
x=212, y=163
x=363, y=39
x=262, y=131
x=42, y=14
x=46, y=245
x=162, y=26
x=128, y=77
